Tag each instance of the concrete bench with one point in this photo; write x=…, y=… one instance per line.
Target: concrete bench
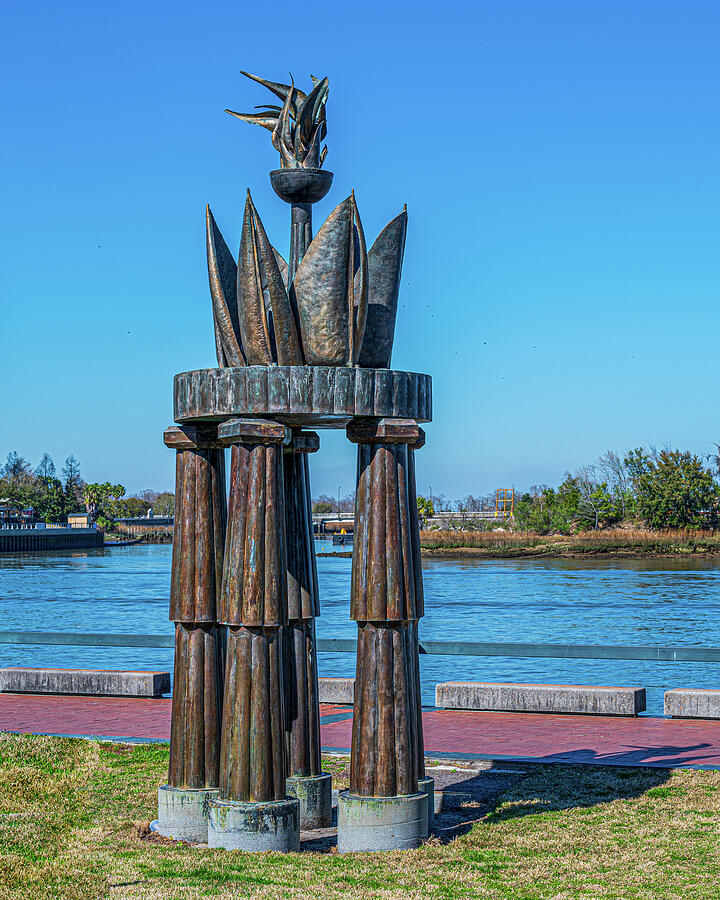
x=550, y=698
x=693, y=703
x=336, y=690
x=100, y=682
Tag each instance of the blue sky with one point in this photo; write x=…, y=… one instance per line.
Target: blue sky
x=560, y=165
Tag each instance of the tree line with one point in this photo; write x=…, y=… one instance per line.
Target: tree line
x=656, y=489
x=53, y=498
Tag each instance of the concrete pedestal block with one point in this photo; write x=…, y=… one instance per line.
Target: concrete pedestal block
x=582, y=699
x=93, y=682
x=255, y=827
x=693, y=703
x=183, y=813
x=381, y=823
x=314, y=793
x=426, y=785
x=336, y=690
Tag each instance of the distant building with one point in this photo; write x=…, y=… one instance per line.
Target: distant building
x=12, y=513
x=79, y=520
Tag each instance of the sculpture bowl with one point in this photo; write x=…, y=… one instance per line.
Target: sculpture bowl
x=315, y=396
x=301, y=185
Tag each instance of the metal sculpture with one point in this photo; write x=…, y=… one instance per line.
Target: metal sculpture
x=302, y=344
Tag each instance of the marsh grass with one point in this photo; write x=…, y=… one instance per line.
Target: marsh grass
x=610, y=542
x=74, y=821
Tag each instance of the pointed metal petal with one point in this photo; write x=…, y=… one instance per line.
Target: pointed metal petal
x=283, y=134
x=384, y=270
x=321, y=291
x=312, y=155
x=282, y=265
x=251, y=308
x=360, y=287
x=287, y=342
x=280, y=90
x=264, y=120
x=309, y=113
x=222, y=274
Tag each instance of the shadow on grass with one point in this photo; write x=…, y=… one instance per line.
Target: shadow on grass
x=493, y=796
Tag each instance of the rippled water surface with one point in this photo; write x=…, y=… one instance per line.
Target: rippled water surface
x=657, y=602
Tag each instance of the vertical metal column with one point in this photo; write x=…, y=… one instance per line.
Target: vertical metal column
x=198, y=547
x=384, y=808
x=306, y=781
x=252, y=811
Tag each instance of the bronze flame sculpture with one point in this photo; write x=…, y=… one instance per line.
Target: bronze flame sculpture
x=303, y=343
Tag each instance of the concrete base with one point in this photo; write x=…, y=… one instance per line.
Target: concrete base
x=183, y=813
x=255, y=827
x=426, y=785
x=314, y=793
x=693, y=703
x=336, y=690
x=581, y=699
x=381, y=823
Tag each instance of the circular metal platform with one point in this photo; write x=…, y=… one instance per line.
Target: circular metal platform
x=317, y=396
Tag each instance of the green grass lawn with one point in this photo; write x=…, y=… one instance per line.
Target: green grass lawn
x=74, y=821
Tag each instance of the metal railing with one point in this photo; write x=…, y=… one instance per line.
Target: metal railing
x=434, y=648
x=45, y=526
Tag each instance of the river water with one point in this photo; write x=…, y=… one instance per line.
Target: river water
x=658, y=602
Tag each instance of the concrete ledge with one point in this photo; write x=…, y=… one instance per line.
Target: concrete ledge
x=336, y=690
x=99, y=682
x=551, y=698
x=693, y=703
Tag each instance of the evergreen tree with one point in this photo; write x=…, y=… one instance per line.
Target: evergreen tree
x=16, y=466
x=73, y=484
x=46, y=470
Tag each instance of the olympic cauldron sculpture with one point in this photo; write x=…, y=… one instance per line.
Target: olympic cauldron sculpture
x=300, y=344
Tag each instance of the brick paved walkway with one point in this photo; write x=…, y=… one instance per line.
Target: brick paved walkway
x=450, y=734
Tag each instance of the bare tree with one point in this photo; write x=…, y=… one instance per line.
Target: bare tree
x=615, y=473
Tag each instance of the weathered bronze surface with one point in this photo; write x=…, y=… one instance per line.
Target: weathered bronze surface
x=254, y=584
x=298, y=126
x=198, y=549
x=316, y=396
x=302, y=711
x=386, y=586
x=222, y=272
x=303, y=601
x=199, y=535
x=253, y=603
x=196, y=706
x=386, y=601
x=385, y=261
x=307, y=342
x=252, y=751
x=383, y=761
x=341, y=299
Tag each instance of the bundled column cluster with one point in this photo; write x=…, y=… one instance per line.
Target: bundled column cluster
x=197, y=565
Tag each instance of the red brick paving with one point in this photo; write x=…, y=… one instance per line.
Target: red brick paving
x=605, y=740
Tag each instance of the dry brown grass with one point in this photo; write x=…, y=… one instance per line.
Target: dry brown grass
x=609, y=542
x=74, y=816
